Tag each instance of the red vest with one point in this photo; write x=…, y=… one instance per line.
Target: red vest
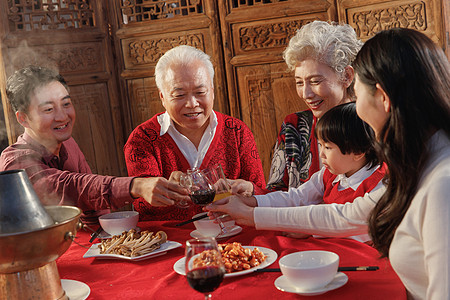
x=332, y=195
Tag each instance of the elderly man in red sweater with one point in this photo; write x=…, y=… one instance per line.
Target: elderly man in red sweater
x=188, y=134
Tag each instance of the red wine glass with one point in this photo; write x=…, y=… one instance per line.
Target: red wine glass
x=204, y=265
x=203, y=187
x=201, y=190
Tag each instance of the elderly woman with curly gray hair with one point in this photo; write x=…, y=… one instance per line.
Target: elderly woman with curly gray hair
x=320, y=54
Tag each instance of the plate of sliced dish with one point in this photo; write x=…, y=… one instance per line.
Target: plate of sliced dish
x=261, y=257
x=133, y=245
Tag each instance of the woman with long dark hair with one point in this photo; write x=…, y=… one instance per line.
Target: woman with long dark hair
x=403, y=92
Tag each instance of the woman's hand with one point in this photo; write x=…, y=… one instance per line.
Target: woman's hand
x=240, y=208
x=159, y=191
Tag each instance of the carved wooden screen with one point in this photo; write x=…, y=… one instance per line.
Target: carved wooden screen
x=261, y=89
x=71, y=36
x=144, y=30
x=368, y=19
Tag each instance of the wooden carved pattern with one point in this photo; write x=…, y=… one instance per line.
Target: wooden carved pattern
x=146, y=102
x=149, y=51
x=266, y=36
x=368, y=23
x=257, y=87
x=247, y=3
x=68, y=58
x=259, y=111
x=260, y=106
x=147, y=10
x=26, y=15
x=79, y=59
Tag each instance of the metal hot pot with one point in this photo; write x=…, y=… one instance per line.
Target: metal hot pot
x=27, y=256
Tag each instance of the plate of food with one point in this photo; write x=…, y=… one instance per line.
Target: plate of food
x=104, y=235
x=132, y=245
x=239, y=260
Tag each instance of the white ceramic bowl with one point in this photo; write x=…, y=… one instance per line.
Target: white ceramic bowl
x=117, y=222
x=208, y=228
x=309, y=270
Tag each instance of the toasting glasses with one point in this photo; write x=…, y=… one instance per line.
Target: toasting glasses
x=206, y=186
x=204, y=266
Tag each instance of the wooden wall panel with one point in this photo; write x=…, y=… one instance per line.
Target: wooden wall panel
x=145, y=98
x=266, y=98
x=94, y=132
x=368, y=18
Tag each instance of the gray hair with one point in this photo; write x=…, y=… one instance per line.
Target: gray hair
x=181, y=55
x=21, y=85
x=334, y=44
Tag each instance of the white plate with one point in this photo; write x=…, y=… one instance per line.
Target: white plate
x=104, y=235
x=284, y=285
x=94, y=251
x=270, y=259
x=75, y=290
x=233, y=231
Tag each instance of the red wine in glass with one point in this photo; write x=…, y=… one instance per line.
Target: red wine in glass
x=204, y=265
x=205, y=280
x=203, y=197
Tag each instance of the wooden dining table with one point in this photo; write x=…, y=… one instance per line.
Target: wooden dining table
x=155, y=278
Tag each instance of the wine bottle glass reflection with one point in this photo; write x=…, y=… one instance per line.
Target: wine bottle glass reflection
x=204, y=266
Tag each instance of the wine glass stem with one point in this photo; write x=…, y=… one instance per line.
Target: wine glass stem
x=207, y=296
x=219, y=221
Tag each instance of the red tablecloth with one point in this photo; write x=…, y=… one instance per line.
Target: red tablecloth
x=155, y=278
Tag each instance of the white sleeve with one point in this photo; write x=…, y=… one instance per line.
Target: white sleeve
x=436, y=240
x=310, y=192
x=336, y=220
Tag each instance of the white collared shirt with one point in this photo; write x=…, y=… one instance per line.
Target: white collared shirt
x=193, y=155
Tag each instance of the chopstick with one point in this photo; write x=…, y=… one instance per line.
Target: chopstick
x=95, y=234
x=361, y=268
x=340, y=269
x=192, y=220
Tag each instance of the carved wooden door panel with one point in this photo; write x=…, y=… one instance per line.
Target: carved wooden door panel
x=261, y=88
x=71, y=36
x=368, y=18
x=144, y=30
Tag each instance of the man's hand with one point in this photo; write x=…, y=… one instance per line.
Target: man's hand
x=159, y=191
x=241, y=187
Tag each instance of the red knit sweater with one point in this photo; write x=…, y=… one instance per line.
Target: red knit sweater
x=147, y=154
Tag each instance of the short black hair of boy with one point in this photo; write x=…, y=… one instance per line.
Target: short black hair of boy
x=342, y=126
